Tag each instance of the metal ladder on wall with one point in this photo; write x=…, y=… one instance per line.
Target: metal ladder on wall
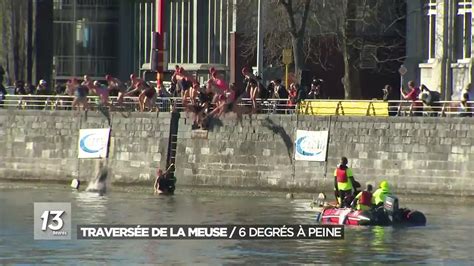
x=173, y=139
x=173, y=146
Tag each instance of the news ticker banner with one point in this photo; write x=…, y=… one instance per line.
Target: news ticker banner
x=52, y=221
x=246, y=232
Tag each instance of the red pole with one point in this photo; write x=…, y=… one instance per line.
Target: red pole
x=160, y=29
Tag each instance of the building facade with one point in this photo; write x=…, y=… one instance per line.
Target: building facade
x=85, y=38
x=439, y=45
x=197, y=35
x=72, y=38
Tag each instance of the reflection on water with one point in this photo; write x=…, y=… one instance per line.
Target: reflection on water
x=94, y=204
x=447, y=239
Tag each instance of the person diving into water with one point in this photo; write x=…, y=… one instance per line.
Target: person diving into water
x=99, y=183
x=165, y=181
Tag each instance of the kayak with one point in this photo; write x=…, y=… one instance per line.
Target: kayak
x=385, y=215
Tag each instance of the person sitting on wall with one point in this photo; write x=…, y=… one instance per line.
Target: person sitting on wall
x=465, y=99
x=315, y=91
x=116, y=85
x=165, y=181
x=251, y=86
x=201, y=108
x=363, y=200
x=430, y=100
x=344, y=183
x=3, y=94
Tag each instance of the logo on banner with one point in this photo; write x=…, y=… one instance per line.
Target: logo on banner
x=311, y=145
x=93, y=143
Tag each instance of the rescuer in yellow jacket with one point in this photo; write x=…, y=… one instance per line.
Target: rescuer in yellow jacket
x=363, y=199
x=343, y=182
x=379, y=195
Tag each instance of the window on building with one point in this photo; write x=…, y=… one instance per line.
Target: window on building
x=198, y=31
x=145, y=14
x=463, y=29
x=182, y=31
x=85, y=37
x=431, y=32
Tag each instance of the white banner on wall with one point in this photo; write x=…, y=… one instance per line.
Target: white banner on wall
x=93, y=143
x=311, y=145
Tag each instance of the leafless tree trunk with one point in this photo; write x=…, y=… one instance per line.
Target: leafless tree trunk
x=14, y=34
x=333, y=28
x=350, y=53
x=297, y=33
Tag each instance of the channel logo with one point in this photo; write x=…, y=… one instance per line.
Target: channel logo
x=52, y=220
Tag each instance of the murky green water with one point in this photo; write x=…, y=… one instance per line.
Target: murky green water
x=447, y=239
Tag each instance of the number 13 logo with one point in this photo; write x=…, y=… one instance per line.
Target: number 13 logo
x=57, y=219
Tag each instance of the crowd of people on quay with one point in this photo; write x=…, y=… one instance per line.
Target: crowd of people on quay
x=213, y=98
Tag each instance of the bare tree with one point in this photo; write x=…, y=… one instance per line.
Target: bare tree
x=297, y=30
x=368, y=34
x=13, y=38
x=285, y=24
x=362, y=36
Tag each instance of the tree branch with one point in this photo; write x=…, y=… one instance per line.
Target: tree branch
x=288, y=6
x=305, y=17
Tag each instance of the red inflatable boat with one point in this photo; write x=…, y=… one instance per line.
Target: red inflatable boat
x=388, y=214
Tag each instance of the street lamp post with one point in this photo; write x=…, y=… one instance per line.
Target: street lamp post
x=402, y=70
x=260, y=39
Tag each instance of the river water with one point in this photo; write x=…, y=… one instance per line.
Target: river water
x=447, y=238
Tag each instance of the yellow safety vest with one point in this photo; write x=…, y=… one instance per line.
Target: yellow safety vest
x=379, y=196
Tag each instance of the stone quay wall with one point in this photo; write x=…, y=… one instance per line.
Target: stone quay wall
x=44, y=145
x=415, y=154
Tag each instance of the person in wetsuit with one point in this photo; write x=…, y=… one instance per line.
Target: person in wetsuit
x=165, y=181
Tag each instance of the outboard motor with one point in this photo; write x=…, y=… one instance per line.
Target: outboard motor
x=416, y=218
x=390, y=206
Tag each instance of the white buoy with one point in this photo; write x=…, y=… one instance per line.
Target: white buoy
x=290, y=196
x=75, y=183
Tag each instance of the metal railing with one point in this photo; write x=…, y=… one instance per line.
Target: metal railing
x=265, y=106
x=130, y=104
x=385, y=108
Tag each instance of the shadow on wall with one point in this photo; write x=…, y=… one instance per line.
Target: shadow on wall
x=212, y=122
x=268, y=123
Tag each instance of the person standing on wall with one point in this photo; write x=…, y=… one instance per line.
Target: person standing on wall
x=412, y=95
x=344, y=183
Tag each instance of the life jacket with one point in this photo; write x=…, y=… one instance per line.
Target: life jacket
x=365, y=198
x=341, y=175
x=380, y=195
